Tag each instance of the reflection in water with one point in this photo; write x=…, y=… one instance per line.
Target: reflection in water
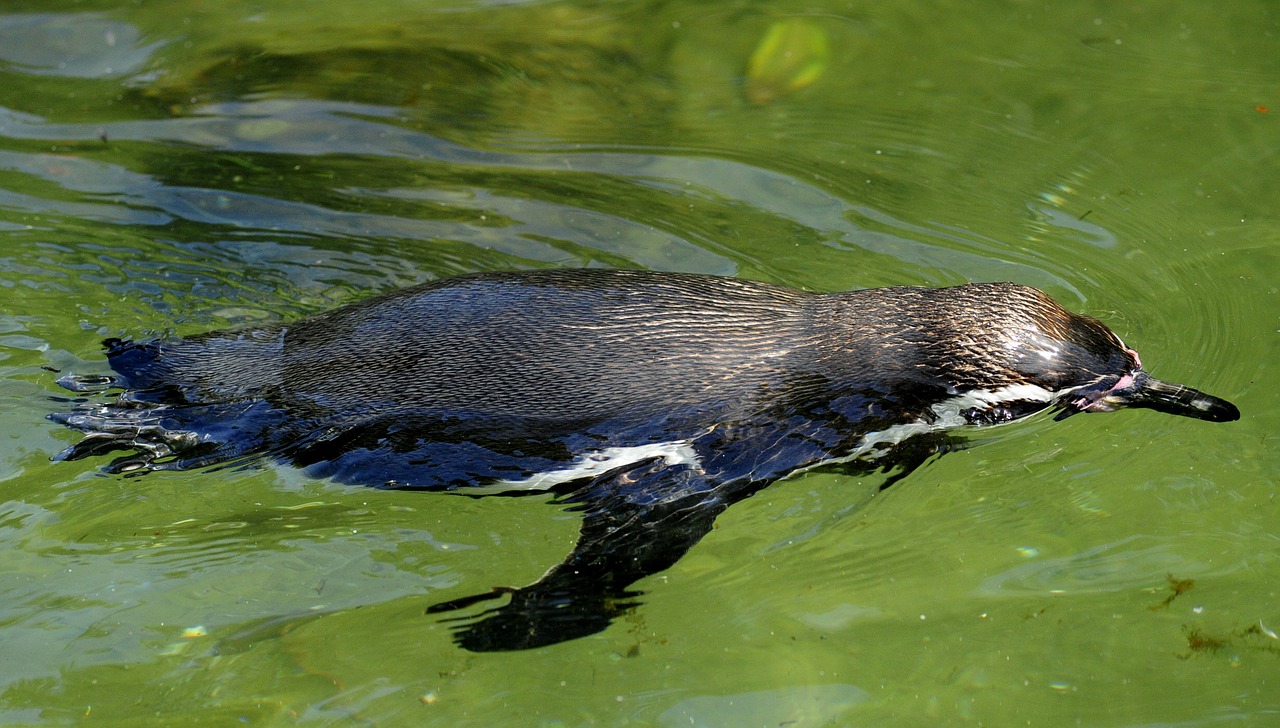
x=806, y=705
x=77, y=45
x=500, y=215
x=1123, y=565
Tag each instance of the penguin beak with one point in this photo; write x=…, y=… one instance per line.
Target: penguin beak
x=1146, y=391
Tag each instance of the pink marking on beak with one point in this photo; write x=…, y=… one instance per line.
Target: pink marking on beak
x=1125, y=381
x=1100, y=404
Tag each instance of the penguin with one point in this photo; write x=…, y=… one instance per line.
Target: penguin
x=650, y=402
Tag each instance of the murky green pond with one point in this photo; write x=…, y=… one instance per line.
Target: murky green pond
x=183, y=166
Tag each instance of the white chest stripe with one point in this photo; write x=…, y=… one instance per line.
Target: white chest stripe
x=679, y=452
x=948, y=414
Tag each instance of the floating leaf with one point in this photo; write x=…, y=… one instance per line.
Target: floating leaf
x=792, y=55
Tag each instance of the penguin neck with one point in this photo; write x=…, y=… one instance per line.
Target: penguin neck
x=900, y=347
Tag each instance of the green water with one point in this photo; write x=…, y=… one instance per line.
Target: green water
x=181, y=166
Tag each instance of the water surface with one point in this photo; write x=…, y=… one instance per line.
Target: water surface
x=178, y=167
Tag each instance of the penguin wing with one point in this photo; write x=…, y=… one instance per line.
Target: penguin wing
x=642, y=518
x=622, y=540
x=639, y=519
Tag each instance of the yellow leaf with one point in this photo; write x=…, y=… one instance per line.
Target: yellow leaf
x=791, y=55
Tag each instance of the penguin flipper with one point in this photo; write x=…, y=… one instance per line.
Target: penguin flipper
x=623, y=539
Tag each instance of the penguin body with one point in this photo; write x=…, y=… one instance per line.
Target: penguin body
x=650, y=401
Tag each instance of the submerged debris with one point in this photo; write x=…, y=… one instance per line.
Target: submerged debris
x=1177, y=587
x=1248, y=638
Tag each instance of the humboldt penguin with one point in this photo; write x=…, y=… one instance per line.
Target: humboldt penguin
x=649, y=402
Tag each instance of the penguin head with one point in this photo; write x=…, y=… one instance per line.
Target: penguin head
x=1140, y=389
x=1085, y=366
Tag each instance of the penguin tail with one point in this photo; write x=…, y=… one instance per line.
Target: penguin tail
x=164, y=436
x=165, y=405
